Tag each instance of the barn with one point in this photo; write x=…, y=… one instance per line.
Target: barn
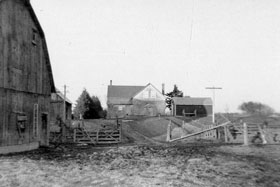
x=192, y=106
x=26, y=80
x=128, y=101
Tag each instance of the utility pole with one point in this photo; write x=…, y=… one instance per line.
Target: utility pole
x=213, y=110
x=64, y=114
x=64, y=104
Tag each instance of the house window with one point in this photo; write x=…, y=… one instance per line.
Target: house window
x=120, y=107
x=53, y=96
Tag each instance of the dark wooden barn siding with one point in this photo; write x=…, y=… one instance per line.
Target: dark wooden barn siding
x=201, y=110
x=24, y=78
x=23, y=53
x=2, y=116
x=14, y=104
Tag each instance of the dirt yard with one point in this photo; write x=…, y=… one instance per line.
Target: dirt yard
x=144, y=161
x=201, y=164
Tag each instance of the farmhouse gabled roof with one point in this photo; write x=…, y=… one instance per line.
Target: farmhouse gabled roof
x=122, y=94
x=44, y=43
x=192, y=100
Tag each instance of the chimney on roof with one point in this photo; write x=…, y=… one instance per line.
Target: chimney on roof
x=163, y=89
x=111, y=82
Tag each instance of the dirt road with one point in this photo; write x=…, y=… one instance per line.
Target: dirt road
x=200, y=164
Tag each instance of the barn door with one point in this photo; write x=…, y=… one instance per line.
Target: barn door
x=44, y=135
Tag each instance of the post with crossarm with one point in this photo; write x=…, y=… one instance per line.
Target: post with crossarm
x=213, y=110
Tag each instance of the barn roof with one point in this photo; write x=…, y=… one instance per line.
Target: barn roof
x=192, y=100
x=44, y=43
x=122, y=94
x=45, y=48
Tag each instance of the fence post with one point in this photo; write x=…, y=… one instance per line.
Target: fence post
x=120, y=130
x=168, y=134
x=245, y=132
x=97, y=136
x=226, y=134
x=74, y=138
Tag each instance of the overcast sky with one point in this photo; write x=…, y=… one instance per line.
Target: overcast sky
x=233, y=44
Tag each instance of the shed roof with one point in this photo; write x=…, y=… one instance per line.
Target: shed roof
x=122, y=94
x=60, y=94
x=192, y=100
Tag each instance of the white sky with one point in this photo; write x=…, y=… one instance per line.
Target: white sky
x=192, y=43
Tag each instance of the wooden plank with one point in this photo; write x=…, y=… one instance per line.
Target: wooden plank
x=226, y=133
x=75, y=135
x=83, y=139
x=2, y=68
x=78, y=136
x=100, y=132
x=107, y=142
x=100, y=140
x=245, y=134
x=112, y=138
x=5, y=116
x=116, y=135
x=2, y=116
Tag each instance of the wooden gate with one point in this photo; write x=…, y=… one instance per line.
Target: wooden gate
x=104, y=135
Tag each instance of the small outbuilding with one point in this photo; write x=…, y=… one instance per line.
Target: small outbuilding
x=192, y=106
x=57, y=109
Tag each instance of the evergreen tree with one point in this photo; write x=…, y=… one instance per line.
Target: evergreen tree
x=84, y=106
x=98, y=110
x=175, y=93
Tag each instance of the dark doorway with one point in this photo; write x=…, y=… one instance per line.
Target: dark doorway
x=44, y=135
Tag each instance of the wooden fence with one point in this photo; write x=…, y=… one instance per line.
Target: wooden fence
x=245, y=133
x=209, y=130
